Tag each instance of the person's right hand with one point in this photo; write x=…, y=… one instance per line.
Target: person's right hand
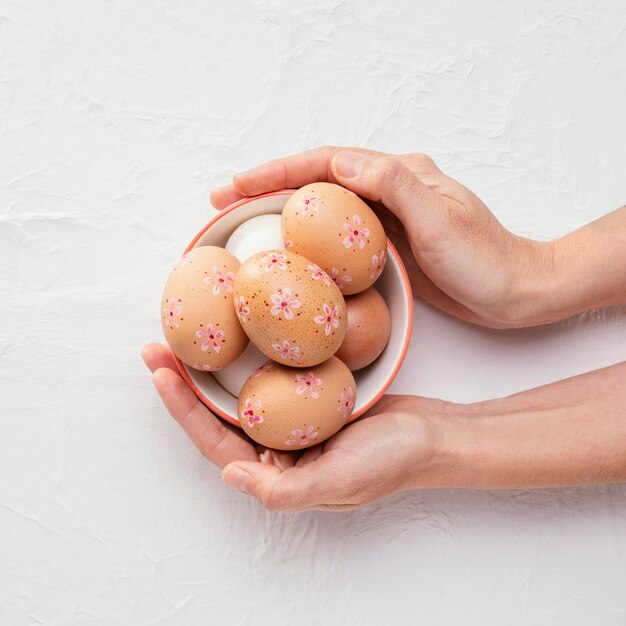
x=458, y=256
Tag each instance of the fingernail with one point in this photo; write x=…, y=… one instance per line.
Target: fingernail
x=348, y=164
x=235, y=477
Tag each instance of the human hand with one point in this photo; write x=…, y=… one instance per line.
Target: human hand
x=390, y=449
x=572, y=432
x=458, y=256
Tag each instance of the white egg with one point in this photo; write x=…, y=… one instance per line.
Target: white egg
x=257, y=234
x=235, y=375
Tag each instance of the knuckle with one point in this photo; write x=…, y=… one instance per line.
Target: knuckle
x=327, y=150
x=275, y=162
x=214, y=443
x=423, y=160
x=271, y=498
x=269, y=502
x=277, y=167
x=393, y=172
x=396, y=178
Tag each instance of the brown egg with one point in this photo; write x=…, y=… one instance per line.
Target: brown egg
x=338, y=231
x=369, y=325
x=290, y=408
x=290, y=308
x=197, y=313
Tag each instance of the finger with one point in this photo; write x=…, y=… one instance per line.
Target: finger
x=423, y=167
x=290, y=490
x=387, y=180
x=216, y=442
x=156, y=356
x=292, y=172
x=310, y=455
x=221, y=197
x=282, y=460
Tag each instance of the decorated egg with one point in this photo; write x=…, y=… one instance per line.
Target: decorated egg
x=369, y=325
x=338, y=231
x=290, y=308
x=198, y=316
x=290, y=408
x=255, y=235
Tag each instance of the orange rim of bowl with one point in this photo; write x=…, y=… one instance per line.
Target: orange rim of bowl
x=407, y=337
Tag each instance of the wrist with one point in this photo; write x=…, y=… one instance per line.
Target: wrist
x=572, y=432
x=532, y=283
x=453, y=464
x=437, y=436
x=476, y=446
x=553, y=280
x=472, y=449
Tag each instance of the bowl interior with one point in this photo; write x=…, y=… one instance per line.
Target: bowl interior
x=393, y=285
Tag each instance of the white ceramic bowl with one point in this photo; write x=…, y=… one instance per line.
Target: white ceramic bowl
x=393, y=285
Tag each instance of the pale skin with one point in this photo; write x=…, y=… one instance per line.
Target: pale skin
x=464, y=262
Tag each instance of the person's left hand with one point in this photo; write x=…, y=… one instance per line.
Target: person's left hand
x=393, y=447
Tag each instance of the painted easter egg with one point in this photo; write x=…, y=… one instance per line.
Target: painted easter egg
x=290, y=308
x=338, y=231
x=367, y=333
x=197, y=312
x=288, y=408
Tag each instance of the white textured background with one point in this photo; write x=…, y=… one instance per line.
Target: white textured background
x=116, y=119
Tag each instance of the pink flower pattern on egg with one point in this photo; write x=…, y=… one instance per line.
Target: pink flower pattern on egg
x=287, y=350
x=173, y=312
x=284, y=303
x=211, y=338
x=264, y=368
x=242, y=310
x=378, y=263
x=220, y=280
x=274, y=260
x=304, y=437
x=308, y=382
x=317, y=273
x=346, y=403
x=288, y=244
x=356, y=233
x=308, y=203
x=330, y=318
x=250, y=412
x=340, y=281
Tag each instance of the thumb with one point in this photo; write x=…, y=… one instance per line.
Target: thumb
x=291, y=489
x=385, y=180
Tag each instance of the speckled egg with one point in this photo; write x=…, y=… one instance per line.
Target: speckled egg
x=338, y=231
x=290, y=308
x=197, y=313
x=369, y=325
x=290, y=408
